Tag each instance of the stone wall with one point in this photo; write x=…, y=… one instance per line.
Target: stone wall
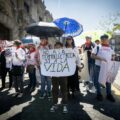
x=17, y=14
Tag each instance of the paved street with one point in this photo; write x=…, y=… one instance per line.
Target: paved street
x=83, y=107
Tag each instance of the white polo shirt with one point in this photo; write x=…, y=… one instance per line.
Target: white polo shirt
x=104, y=52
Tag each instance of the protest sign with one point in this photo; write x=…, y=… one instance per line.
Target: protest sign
x=58, y=62
x=5, y=43
x=84, y=74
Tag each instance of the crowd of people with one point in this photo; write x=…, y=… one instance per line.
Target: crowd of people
x=18, y=59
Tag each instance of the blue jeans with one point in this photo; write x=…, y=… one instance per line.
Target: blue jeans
x=45, y=81
x=97, y=84
x=32, y=77
x=92, y=70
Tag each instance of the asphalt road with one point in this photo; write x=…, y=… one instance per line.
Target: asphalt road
x=83, y=107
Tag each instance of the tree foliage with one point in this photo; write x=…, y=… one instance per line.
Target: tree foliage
x=110, y=23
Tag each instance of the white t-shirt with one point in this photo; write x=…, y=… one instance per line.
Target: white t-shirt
x=104, y=52
x=21, y=57
x=31, y=59
x=98, y=45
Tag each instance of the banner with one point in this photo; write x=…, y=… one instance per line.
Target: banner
x=58, y=62
x=108, y=72
x=84, y=74
x=5, y=43
x=117, y=78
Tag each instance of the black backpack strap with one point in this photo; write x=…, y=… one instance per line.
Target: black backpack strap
x=97, y=49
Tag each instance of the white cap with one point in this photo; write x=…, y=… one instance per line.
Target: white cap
x=89, y=36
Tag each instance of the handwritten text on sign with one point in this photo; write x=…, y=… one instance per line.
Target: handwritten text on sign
x=58, y=62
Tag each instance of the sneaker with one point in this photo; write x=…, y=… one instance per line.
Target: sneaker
x=53, y=108
x=92, y=90
x=15, y=94
x=99, y=97
x=65, y=110
x=49, y=95
x=110, y=98
x=20, y=95
x=2, y=88
x=10, y=88
x=42, y=96
x=102, y=86
x=32, y=89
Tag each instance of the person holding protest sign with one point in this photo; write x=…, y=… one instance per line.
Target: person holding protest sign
x=45, y=80
x=62, y=82
x=73, y=81
x=103, y=57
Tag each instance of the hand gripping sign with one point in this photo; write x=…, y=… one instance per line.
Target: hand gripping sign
x=58, y=62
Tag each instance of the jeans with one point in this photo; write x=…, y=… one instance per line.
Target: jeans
x=32, y=77
x=92, y=70
x=97, y=84
x=45, y=81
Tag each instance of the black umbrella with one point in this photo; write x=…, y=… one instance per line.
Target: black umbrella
x=44, y=29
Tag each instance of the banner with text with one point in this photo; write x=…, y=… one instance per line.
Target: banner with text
x=58, y=62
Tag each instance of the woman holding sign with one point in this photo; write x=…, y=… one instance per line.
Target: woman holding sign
x=62, y=82
x=73, y=81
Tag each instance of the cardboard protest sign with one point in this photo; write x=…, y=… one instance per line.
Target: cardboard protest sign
x=58, y=62
x=5, y=43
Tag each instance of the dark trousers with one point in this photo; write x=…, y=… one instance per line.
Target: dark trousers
x=73, y=82
x=3, y=77
x=18, y=83
x=97, y=84
x=62, y=82
x=18, y=75
x=32, y=77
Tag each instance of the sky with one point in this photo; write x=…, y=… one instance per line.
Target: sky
x=89, y=13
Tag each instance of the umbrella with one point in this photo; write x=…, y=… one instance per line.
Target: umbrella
x=31, y=40
x=70, y=26
x=44, y=29
x=27, y=41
